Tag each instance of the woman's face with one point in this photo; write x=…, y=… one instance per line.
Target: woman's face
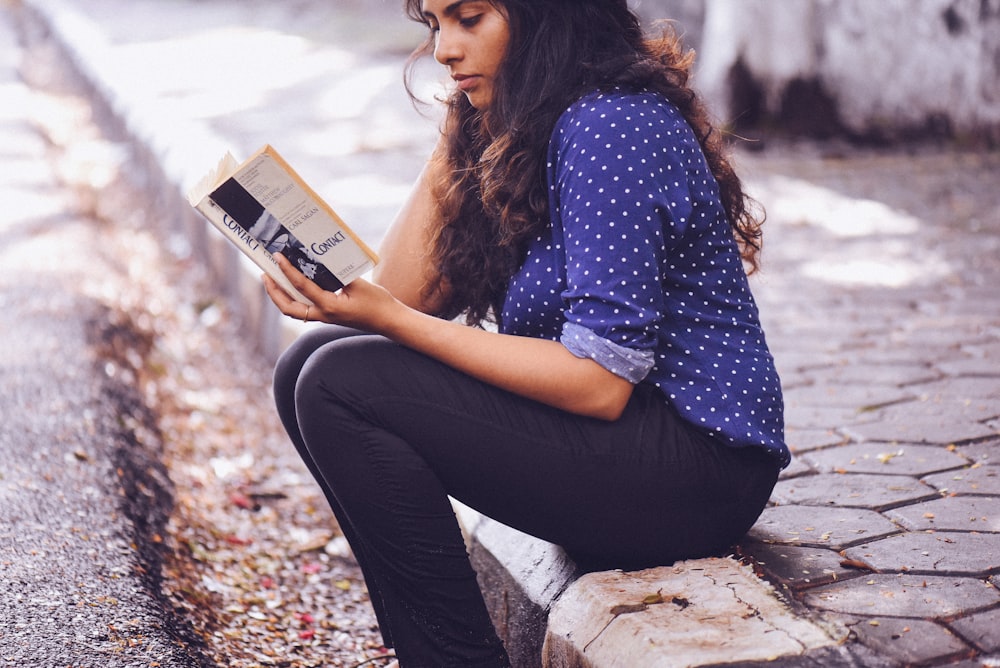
x=470, y=39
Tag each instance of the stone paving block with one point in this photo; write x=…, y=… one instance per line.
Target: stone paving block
x=981, y=629
x=921, y=596
x=790, y=360
x=909, y=641
x=985, y=452
x=812, y=526
x=793, y=379
x=834, y=393
x=976, y=480
x=876, y=379
x=891, y=352
x=803, y=440
x=696, y=613
x=979, y=662
x=936, y=331
x=856, y=490
x=965, y=366
x=944, y=421
x=954, y=513
x=797, y=467
x=964, y=388
x=825, y=417
x=933, y=553
x=797, y=567
x=885, y=458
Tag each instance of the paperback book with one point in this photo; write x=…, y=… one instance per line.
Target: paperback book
x=264, y=207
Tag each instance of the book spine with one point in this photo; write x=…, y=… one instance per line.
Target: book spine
x=248, y=245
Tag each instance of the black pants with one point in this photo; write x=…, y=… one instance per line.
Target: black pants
x=389, y=434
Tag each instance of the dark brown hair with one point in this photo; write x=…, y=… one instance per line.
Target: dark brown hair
x=492, y=190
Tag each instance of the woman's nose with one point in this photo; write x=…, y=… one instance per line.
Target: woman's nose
x=445, y=47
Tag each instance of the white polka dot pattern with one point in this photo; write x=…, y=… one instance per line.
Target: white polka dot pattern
x=640, y=271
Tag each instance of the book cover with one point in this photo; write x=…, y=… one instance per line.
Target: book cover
x=264, y=207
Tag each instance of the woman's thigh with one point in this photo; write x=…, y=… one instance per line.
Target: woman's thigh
x=641, y=490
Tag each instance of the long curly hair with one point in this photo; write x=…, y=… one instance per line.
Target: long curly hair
x=492, y=187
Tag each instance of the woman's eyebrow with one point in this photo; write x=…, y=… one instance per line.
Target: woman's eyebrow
x=449, y=10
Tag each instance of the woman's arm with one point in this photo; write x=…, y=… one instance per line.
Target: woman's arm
x=405, y=268
x=538, y=369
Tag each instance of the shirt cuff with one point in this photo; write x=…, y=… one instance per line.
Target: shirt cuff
x=632, y=365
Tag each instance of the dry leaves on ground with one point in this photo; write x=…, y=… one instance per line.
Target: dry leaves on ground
x=253, y=558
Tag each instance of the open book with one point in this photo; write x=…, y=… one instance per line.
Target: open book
x=264, y=207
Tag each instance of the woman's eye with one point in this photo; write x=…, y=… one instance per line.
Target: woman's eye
x=470, y=21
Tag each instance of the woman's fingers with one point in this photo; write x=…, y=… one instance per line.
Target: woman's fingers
x=361, y=304
x=285, y=303
x=299, y=280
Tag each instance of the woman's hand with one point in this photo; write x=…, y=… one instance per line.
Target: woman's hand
x=361, y=305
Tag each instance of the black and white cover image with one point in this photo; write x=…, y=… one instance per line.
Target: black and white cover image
x=263, y=226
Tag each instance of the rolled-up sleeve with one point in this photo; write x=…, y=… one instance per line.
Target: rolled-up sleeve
x=632, y=365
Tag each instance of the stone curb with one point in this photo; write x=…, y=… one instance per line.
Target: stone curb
x=695, y=613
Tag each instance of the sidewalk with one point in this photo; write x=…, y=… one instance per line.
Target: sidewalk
x=882, y=544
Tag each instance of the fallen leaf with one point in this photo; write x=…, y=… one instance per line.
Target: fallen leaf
x=886, y=457
x=241, y=500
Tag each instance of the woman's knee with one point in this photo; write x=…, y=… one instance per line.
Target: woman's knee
x=347, y=369
x=290, y=363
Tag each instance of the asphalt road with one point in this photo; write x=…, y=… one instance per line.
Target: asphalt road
x=83, y=495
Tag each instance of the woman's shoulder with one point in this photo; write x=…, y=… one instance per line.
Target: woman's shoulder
x=619, y=102
x=618, y=108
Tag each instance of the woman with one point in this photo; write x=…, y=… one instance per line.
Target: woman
x=626, y=408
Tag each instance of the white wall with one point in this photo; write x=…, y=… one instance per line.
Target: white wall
x=887, y=67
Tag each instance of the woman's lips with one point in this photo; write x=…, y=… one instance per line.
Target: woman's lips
x=466, y=83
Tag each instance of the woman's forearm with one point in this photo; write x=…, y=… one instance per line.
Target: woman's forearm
x=539, y=369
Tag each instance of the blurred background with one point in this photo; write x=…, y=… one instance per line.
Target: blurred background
x=876, y=71
x=321, y=80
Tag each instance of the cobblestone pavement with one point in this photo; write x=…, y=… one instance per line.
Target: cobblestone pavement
x=879, y=295
x=882, y=308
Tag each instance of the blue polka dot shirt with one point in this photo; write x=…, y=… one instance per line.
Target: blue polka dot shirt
x=640, y=272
